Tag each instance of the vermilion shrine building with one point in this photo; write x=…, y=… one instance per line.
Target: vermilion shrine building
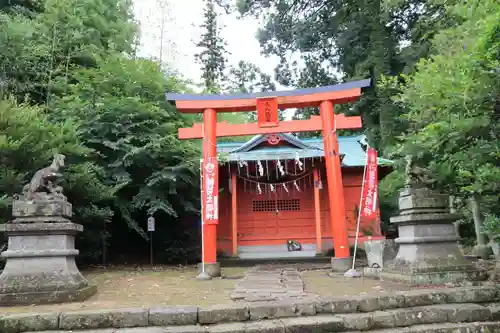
x=239, y=220
x=274, y=189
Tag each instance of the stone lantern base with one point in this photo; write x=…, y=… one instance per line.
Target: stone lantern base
x=40, y=265
x=428, y=249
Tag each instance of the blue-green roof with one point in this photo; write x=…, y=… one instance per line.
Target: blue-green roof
x=304, y=148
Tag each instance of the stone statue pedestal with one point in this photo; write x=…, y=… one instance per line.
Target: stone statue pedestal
x=40, y=265
x=379, y=252
x=428, y=249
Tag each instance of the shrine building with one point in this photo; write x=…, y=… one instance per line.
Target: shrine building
x=273, y=189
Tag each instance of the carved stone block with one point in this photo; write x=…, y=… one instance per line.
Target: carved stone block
x=378, y=252
x=422, y=200
x=40, y=266
x=41, y=211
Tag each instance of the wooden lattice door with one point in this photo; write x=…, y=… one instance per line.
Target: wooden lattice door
x=271, y=219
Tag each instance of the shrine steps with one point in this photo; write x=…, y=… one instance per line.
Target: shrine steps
x=283, y=317
x=302, y=325
x=275, y=252
x=318, y=262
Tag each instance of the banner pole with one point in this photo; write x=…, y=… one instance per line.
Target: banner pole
x=201, y=219
x=359, y=211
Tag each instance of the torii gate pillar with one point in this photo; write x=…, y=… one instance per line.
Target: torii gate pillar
x=338, y=221
x=328, y=123
x=210, y=195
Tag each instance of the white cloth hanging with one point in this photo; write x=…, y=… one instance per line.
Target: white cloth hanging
x=280, y=168
x=261, y=168
x=296, y=186
x=298, y=162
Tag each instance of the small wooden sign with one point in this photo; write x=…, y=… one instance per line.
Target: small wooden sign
x=267, y=111
x=151, y=224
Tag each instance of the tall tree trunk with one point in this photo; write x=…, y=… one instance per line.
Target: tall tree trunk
x=478, y=220
x=453, y=210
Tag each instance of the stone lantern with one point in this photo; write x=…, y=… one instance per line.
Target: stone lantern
x=428, y=243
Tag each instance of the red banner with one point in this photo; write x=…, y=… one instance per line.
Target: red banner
x=211, y=204
x=370, y=190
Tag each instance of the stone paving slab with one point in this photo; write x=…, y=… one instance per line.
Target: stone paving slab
x=269, y=282
x=301, y=325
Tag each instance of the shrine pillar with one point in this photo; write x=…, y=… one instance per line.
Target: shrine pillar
x=342, y=260
x=317, y=211
x=234, y=213
x=210, y=196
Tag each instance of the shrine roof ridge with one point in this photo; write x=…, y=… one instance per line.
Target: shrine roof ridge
x=296, y=92
x=349, y=146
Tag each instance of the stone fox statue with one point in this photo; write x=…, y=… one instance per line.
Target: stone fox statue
x=42, y=183
x=416, y=175
x=293, y=245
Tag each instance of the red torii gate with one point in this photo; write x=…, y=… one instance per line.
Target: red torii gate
x=267, y=105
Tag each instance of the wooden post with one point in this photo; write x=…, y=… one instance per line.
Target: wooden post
x=211, y=187
x=234, y=212
x=317, y=212
x=334, y=179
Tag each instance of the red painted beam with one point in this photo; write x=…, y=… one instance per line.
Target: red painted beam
x=298, y=98
x=284, y=102
x=313, y=124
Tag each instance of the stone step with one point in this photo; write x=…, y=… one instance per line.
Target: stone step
x=277, y=255
x=317, y=262
x=294, y=319
x=273, y=248
x=305, y=325
x=398, y=309
x=279, y=251
x=477, y=327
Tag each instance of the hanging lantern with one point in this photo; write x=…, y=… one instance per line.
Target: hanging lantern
x=259, y=189
x=285, y=188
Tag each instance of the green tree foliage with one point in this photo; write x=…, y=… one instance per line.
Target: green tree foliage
x=347, y=40
x=212, y=55
x=452, y=105
x=66, y=34
x=248, y=78
x=120, y=106
x=79, y=90
x=26, y=7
